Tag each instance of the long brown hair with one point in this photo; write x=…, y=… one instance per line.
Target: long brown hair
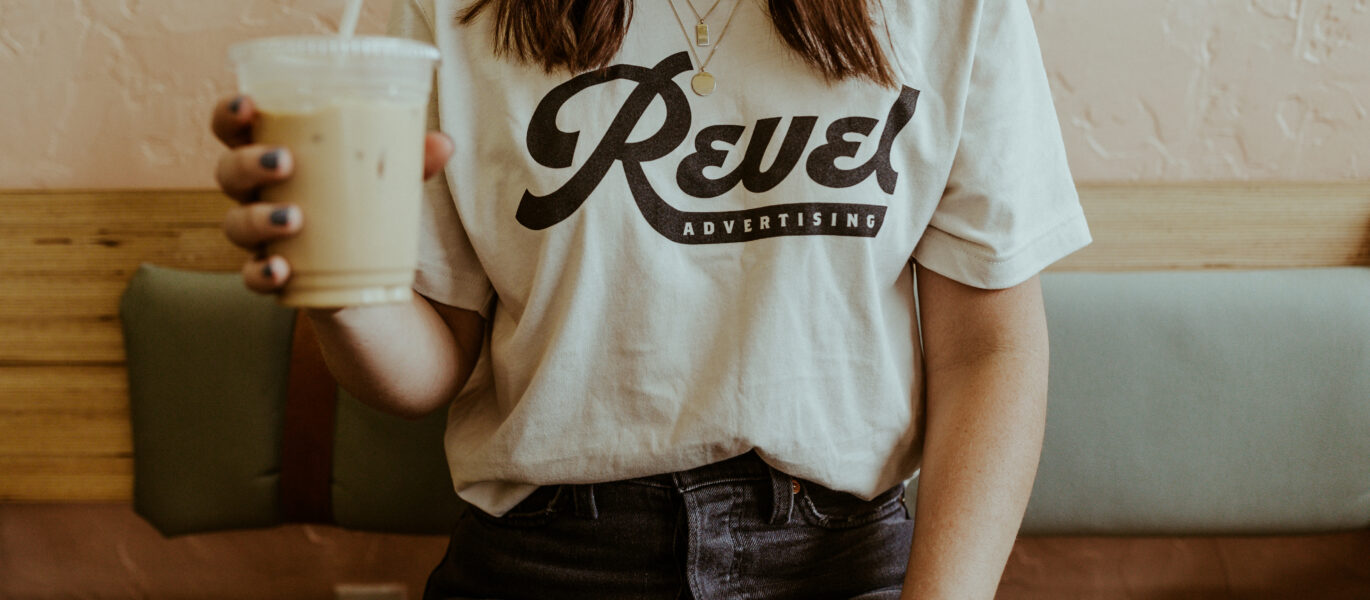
x=835, y=37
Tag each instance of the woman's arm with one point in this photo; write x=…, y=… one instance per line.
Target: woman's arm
x=406, y=359
x=986, y=358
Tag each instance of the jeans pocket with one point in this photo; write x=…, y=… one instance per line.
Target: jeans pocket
x=536, y=510
x=839, y=510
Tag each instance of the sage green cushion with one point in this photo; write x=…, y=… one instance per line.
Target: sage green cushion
x=207, y=363
x=1206, y=402
x=390, y=474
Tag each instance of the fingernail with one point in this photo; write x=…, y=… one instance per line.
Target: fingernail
x=280, y=217
x=236, y=104
x=271, y=160
x=266, y=271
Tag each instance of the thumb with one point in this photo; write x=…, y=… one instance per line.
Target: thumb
x=437, y=149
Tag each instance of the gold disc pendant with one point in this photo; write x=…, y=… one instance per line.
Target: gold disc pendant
x=702, y=83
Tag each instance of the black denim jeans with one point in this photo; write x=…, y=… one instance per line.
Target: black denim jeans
x=733, y=530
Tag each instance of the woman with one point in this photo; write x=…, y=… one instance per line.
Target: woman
x=669, y=276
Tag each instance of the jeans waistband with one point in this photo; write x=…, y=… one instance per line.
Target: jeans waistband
x=744, y=468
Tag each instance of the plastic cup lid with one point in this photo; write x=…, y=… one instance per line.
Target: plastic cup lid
x=332, y=46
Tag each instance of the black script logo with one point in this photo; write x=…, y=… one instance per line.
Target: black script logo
x=553, y=148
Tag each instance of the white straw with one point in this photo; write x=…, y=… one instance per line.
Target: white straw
x=350, y=16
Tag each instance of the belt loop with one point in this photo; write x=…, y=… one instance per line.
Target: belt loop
x=782, y=496
x=583, y=497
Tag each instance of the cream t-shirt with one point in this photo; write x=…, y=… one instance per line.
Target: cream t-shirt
x=672, y=280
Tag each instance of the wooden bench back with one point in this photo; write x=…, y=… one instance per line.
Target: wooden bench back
x=65, y=257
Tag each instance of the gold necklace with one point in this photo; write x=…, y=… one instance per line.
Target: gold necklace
x=703, y=82
x=702, y=28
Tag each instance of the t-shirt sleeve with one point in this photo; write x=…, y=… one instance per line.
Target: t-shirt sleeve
x=1010, y=207
x=449, y=270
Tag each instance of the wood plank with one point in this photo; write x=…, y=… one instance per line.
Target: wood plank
x=83, y=388
x=59, y=251
x=64, y=341
x=66, y=478
x=109, y=208
x=65, y=433
x=94, y=233
x=1224, y=226
x=61, y=297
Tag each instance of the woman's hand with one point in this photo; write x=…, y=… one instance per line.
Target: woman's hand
x=246, y=167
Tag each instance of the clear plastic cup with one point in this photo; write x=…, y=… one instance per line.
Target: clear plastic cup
x=353, y=113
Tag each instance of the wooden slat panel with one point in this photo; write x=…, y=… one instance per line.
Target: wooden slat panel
x=64, y=431
x=1224, y=226
x=66, y=478
x=66, y=256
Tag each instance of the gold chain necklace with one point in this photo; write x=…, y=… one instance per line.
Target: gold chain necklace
x=702, y=28
x=703, y=82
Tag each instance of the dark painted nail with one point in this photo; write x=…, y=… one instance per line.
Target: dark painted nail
x=280, y=217
x=236, y=104
x=271, y=160
x=266, y=272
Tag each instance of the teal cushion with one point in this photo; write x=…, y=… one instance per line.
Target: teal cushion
x=207, y=366
x=1206, y=402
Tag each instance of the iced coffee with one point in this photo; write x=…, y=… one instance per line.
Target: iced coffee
x=352, y=112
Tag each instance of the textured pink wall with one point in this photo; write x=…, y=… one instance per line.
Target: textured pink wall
x=116, y=93
x=1211, y=89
